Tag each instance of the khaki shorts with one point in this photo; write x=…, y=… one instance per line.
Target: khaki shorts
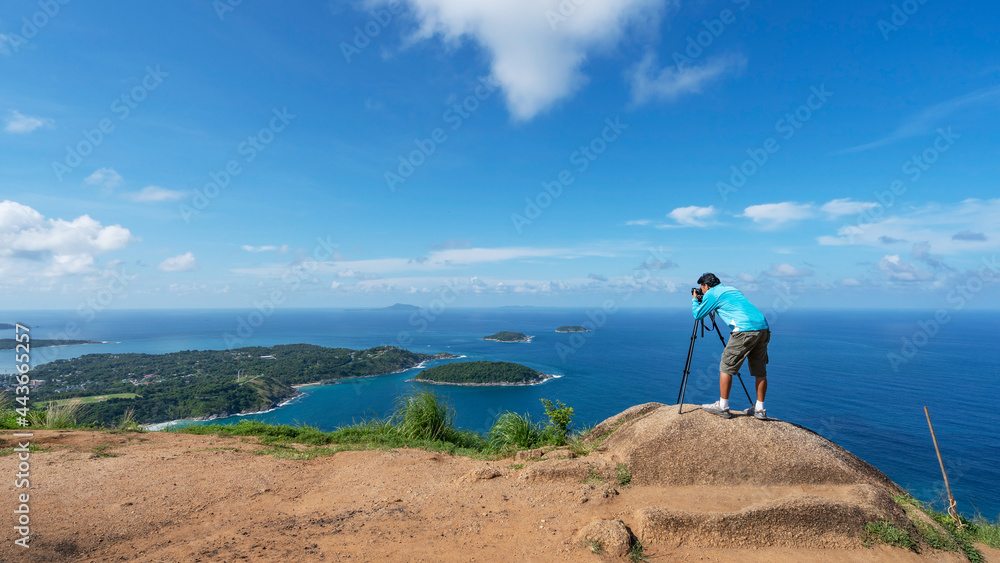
x=744, y=345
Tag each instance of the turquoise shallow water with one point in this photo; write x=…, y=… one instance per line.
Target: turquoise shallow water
x=830, y=371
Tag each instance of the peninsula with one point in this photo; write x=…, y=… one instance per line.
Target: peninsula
x=482, y=373
x=208, y=383
x=10, y=343
x=508, y=336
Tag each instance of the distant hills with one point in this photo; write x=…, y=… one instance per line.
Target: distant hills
x=400, y=307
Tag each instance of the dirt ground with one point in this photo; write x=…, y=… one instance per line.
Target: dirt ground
x=160, y=497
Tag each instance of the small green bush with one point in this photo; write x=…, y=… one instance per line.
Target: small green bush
x=560, y=417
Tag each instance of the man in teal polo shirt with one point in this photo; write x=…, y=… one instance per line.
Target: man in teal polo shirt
x=748, y=338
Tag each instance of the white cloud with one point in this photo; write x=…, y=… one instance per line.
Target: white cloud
x=639, y=222
x=106, y=178
x=785, y=270
x=535, y=53
x=846, y=206
x=774, y=215
x=693, y=216
x=897, y=269
x=672, y=82
x=28, y=239
x=21, y=124
x=181, y=263
x=850, y=282
x=151, y=194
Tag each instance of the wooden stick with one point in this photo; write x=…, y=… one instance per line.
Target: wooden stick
x=952, y=511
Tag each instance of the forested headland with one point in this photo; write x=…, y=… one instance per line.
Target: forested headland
x=10, y=343
x=205, y=383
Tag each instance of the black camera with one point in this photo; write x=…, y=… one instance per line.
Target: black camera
x=697, y=292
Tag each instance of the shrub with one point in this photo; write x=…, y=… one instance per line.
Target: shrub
x=560, y=417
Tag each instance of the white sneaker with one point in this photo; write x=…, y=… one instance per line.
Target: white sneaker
x=716, y=409
x=760, y=414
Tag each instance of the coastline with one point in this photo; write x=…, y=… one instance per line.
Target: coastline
x=503, y=384
x=159, y=426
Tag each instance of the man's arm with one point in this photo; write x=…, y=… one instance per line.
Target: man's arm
x=709, y=302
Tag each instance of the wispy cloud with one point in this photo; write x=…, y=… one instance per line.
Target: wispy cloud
x=671, y=82
x=845, y=206
x=105, y=178
x=153, y=194
x=967, y=226
x=786, y=270
x=438, y=260
x=20, y=124
x=924, y=121
x=266, y=248
x=774, y=215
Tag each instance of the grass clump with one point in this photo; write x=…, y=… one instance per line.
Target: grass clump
x=512, y=431
x=595, y=546
x=60, y=416
x=635, y=553
x=593, y=477
x=623, y=475
x=884, y=531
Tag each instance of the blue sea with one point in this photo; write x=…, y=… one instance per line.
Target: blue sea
x=859, y=378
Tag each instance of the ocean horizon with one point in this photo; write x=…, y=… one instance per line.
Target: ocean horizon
x=859, y=378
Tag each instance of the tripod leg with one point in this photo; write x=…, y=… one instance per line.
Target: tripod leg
x=752, y=403
x=687, y=368
x=719, y=332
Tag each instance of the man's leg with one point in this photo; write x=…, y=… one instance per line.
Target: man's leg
x=761, y=387
x=725, y=385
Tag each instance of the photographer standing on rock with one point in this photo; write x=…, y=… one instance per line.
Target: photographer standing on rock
x=748, y=338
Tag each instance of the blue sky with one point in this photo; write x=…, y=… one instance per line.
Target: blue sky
x=515, y=152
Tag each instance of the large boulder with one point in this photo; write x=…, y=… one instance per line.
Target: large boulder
x=662, y=447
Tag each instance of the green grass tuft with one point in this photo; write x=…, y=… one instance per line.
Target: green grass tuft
x=884, y=531
x=623, y=475
x=635, y=553
x=513, y=431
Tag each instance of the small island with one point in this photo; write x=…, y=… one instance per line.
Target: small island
x=10, y=343
x=5, y=326
x=482, y=373
x=508, y=336
x=572, y=328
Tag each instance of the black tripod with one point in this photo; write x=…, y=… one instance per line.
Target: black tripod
x=687, y=365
